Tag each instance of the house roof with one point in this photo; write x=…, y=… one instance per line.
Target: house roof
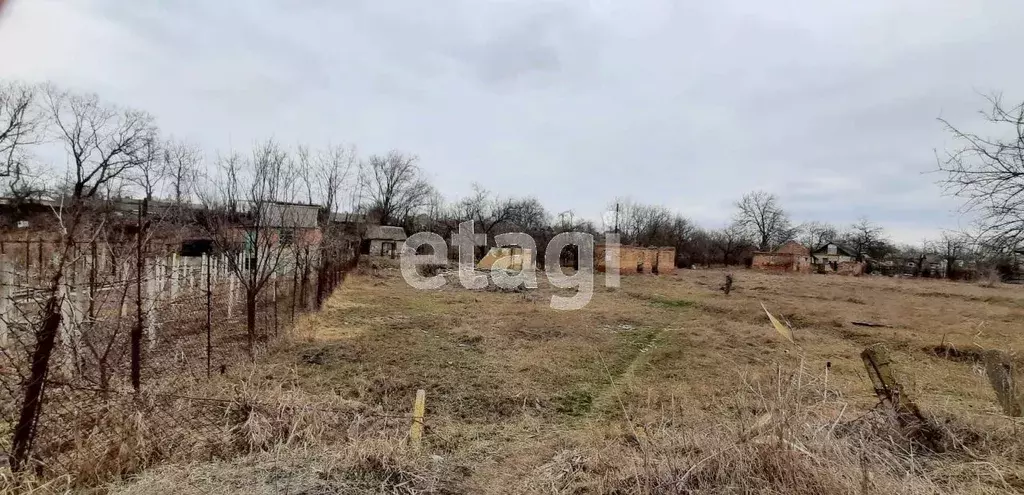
x=793, y=247
x=385, y=232
x=289, y=215
x=840, y=248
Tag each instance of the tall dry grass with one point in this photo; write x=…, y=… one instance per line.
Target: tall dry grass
x=786, y=433
x=118, y=436
x=791, y=436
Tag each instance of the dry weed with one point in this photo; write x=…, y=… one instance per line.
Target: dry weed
x=790, y=441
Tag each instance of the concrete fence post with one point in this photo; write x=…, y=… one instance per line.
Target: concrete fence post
x=175, y=275
x=231, y=294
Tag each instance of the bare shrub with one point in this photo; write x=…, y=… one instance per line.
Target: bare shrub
x=990, y=278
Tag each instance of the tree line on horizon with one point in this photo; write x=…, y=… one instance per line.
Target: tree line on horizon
x=117, y=152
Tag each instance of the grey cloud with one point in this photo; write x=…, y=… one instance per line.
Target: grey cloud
x=832, y=106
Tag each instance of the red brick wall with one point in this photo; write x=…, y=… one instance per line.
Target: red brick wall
x=630, y=256
x=666, y=260
x=627, y=258
x=650, y=257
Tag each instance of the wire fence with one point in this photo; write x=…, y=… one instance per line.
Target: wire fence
x=127, y=325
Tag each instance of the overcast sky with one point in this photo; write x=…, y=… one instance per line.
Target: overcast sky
x=832, y=105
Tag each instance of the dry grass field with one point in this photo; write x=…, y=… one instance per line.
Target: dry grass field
x=664, y=385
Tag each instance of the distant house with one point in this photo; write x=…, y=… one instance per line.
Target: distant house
x=831, y=253
x=293, y=223
x=834, y=257
x=791, y=256
x=381, y=240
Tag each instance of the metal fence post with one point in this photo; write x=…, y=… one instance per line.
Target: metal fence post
x=209, y=316
x=136, y=336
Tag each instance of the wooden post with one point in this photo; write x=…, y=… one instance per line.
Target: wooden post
x=418, y=408
x=1002, y=375
x=892, y=395
x=876, y=360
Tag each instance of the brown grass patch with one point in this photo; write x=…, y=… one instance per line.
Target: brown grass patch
x=663, y=386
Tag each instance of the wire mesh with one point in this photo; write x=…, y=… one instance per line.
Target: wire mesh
x=189, y=318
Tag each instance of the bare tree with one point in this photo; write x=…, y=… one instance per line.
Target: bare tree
x=865, y=238
x=181, y=163
x=261, y=201
x=762, y=216
x=103, y=144
x=149, y=171
x=487, y=211
x=395, y=186
x=731, y=242
x=335, y=168
x=640, y=223
x=21, y=126
x=814, y=234
x=230, y=169
x=697, y=248
x=954, y=247
x=102, y=141
x=988, y=173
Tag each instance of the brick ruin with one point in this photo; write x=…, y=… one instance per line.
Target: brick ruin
x=638, y=259
x=790, y=257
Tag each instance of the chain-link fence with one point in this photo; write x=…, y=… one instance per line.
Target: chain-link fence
x=99, y=338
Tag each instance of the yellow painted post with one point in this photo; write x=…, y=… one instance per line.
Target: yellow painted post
x=418, y=408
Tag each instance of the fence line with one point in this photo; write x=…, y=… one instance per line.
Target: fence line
x=134, y=316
